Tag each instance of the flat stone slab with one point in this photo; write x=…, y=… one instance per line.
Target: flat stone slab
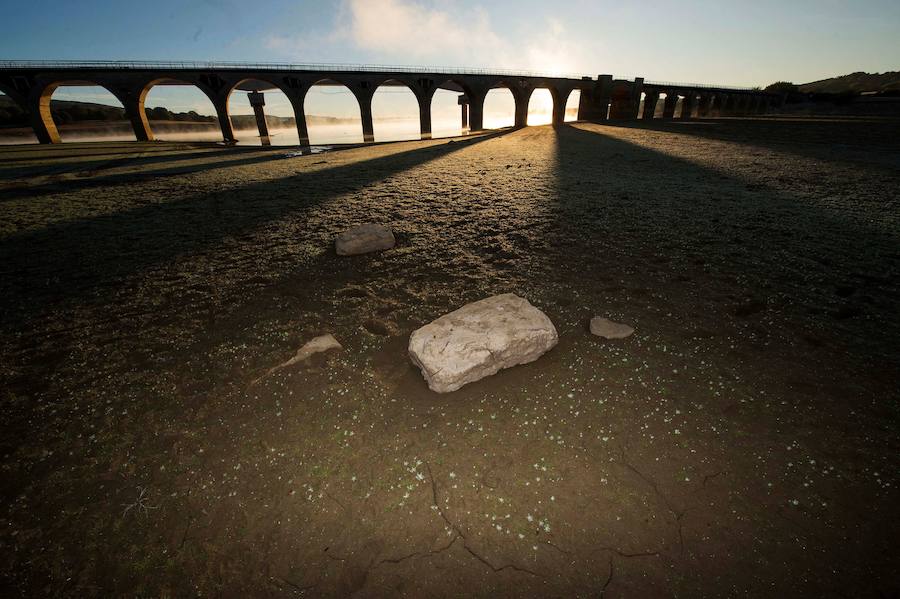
x=316, y=345
x=480, y=339
x=606, y=328
x=363, y=239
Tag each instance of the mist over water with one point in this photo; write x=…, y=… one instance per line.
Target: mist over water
x=341, y=132
x=397, y=122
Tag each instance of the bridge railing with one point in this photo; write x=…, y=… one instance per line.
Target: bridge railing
x=272, y=66
x=698, y=85
x=317, y=67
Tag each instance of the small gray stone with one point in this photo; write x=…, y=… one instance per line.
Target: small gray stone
x=479, y=339
x=369, y=237
x=603, y=327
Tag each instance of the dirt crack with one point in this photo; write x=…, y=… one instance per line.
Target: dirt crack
x=397, y=560
x=678, y=514
x=608, y=578
x=461, y=535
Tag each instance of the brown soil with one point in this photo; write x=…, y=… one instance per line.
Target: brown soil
x=743, y=442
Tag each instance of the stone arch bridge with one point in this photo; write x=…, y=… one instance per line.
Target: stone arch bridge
x=30, y=84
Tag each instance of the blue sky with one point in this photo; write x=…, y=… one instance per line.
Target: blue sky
x=730, y=42
x=726, y=41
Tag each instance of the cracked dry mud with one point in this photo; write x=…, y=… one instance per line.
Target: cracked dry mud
x=743, y=442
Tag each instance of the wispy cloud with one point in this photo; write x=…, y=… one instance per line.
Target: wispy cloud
x=422, y=32
x=414, y=31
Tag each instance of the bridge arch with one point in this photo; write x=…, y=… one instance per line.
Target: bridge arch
x=496, y=103
x=277, y=100
x=499, y=108
x=45, y=99
x=570, y=105
x=333, y=113
x=403, y=120
x=448, y=116
x=165, y=117
x=688, y=104
x=540, y=106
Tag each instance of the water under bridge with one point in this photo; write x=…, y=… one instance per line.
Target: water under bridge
x=30, y=84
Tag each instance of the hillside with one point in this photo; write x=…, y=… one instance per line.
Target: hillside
x=68, y=112
x=855, y=82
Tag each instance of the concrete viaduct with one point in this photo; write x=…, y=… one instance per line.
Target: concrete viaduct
x=31, y=84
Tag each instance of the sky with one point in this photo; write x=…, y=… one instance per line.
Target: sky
x=727, y=42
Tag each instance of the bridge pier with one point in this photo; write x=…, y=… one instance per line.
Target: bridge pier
x=521, y=100
x=687, y=105
x=650, y=102
x=365, y=110
x=300, y=118
x=594, y=103
x=476, y=110
x=41, y=120
x=221, y=106
x=463, y=102
x=424, y=117
x=728, y=103
x=559, y=106
x=626, y=100
x=715, y=107
x=703, y=106
x=669, y=105
x=258, y=101
x=133, y=102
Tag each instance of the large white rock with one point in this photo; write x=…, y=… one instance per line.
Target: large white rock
x=479, y=339
x=363, y=239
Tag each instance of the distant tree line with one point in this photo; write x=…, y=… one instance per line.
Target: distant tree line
x=783, y=87
x=65, y=112
x=834, y=91
x=164, y=114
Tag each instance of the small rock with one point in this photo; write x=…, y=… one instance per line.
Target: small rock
x=603, y=327
x=369, y=237
x=316, y=345
x=379, y=326
x=479, y=339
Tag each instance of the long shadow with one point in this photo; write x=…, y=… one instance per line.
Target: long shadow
x=118, y=160
x=65, y=261
x=633, y=214
x=68, y=182
x=812, y=138
x=12, y=154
